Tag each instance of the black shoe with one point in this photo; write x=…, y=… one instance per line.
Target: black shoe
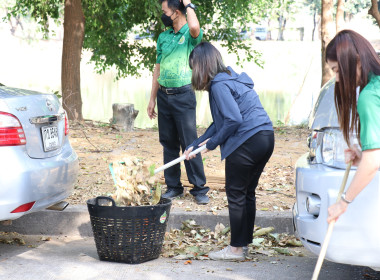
x=173, y=192
x=201, y=198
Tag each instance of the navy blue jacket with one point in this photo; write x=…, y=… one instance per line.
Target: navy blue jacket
x=236, y=111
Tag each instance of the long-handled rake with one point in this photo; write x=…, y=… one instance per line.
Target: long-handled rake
x=326, y=241
x=177, y=160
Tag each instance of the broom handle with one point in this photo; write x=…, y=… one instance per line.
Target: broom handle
x=177, y=160
x=326, y=241
x=348, y=168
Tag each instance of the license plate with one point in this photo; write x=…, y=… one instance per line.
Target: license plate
x=50, y=138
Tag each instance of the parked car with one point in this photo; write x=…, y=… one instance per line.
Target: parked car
x=38, y=166
x=147, y=34
x=319, y=174
x=245, y=34
x=261, y=33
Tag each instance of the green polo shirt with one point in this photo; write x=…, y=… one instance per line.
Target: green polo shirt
x=173, y=51
x=369, y=113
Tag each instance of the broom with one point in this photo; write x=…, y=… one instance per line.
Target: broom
x=326, y=241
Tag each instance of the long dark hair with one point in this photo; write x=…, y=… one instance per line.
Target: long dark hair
x=349, y=48
x=206, y=62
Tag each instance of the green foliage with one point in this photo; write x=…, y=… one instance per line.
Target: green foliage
x=151, y=168
x=100, y=124
x=350, y=7
x=204, y=159
x=303, y=125
x=279, y=123
x=111, y=26
x=282, y=11
x=279, y=127
x=355, y=6
x=39, y=10
x=112, y=41
x=285, y=8
x=227, y=20
x=108, y=34
x=314, y=5
x=57, y=93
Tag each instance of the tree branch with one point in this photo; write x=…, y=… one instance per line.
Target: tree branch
x=374, y=11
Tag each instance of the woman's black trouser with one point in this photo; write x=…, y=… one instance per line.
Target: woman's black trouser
x=243, y=169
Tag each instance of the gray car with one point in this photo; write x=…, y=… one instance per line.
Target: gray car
x=38, y=167
x=319, y=174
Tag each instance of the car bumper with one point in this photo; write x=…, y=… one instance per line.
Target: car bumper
x=45, y=181
x=355, y=238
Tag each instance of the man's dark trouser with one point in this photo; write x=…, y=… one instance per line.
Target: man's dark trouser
x=177, y=128
x=243, y=169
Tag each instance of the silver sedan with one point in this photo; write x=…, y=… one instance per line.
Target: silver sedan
x=38, y=167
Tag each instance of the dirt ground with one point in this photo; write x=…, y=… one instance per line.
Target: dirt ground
x=98, y=145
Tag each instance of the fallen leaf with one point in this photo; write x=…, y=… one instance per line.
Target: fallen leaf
x=283, y=251
x=263, y=231
x=257, y=241
x=156, y=195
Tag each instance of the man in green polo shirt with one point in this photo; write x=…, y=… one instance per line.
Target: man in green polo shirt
x=176, y=102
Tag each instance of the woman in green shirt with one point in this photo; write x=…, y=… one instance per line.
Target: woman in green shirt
x=357, y=101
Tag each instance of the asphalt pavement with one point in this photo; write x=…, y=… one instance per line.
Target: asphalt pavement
x=74, y=258
x=59, y=245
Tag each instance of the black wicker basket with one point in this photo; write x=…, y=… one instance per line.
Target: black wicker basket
x=132, y=234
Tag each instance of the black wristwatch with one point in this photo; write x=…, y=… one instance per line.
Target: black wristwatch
x=190, y=5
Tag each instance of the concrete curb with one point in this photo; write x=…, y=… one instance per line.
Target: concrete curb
x=75, y=221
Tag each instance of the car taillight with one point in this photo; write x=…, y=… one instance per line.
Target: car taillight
x=11, y=131
x=23, y=208
x=66, y=124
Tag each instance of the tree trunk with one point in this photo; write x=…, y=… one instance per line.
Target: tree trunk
x=314, y=25
x=327, y=33
x=374, y=11
x=269, y=34
x=73, y=37
x=281, y=27
x=302, y=32
x=339, y=15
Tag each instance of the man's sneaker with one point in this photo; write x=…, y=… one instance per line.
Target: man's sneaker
x=201, y=198
x=226, y=255
x=173, y=192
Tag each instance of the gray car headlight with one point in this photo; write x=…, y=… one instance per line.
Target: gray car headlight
x=333, y=146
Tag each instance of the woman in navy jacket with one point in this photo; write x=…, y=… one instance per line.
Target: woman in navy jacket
x=244, y=132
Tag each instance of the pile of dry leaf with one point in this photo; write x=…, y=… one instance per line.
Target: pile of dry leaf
x=11, y=238
x=194, y=242
x=135, y=183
